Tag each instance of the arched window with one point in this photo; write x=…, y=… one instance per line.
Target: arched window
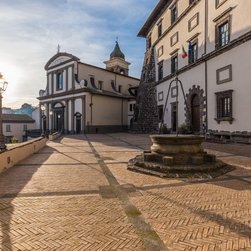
x=122, y=72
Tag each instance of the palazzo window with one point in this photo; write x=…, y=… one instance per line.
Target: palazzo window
x=60, y=81
x=160, y=70
x=224, y=106
x=25, y=128
x=218, y=3
x=160, y=112
x=174, y=14
x=193, y=53
x=174, y=64
x=149, y=42
x=222, y=34
x=100, y=85
x=132, y=107
x=8, y=128
x=160, y=29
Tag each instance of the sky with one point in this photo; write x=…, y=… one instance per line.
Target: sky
x=32, y=29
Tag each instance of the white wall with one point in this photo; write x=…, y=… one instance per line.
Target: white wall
x=36, y=117
x=17, y=130
x=240, y=84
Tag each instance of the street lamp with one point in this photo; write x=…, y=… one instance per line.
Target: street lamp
x=3, y=86
x=43, y=118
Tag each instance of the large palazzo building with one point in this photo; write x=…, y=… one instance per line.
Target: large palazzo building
x=216, y=37
x=85, y=98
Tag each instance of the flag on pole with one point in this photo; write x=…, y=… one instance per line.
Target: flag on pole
x=184, y=53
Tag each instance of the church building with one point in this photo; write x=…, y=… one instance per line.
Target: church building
x=80, y=97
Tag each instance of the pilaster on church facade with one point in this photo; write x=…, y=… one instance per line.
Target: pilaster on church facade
x=206, y=43
x=83, y=98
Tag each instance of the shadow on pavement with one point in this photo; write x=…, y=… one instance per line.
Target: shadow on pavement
x=12, y=182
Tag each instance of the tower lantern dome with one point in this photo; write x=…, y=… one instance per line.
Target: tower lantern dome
x=117, y=62
x=117, y=53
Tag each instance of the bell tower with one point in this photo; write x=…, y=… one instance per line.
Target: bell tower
x=117, y=62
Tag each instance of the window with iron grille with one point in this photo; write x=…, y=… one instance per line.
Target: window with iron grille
x=224, y=106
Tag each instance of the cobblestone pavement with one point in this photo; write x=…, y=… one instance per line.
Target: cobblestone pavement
x=76, y=194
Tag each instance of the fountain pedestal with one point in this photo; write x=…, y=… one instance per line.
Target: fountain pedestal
x=178, y=156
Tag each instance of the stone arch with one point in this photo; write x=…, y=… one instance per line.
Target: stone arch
x=58, y=104
x=192, y=92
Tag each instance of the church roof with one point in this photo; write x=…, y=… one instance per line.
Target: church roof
x=117, y=53
x=60, y=54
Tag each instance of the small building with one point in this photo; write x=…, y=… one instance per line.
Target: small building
x=16, y=125
x=80, y=97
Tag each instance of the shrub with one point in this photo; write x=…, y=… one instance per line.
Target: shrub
x=183, y=129
x=14, y=140
x=164, y=129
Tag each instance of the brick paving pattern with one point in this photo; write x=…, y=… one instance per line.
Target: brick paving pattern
x=77, y=194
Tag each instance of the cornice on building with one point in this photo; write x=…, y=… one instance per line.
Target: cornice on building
x=116, y=73
x=154, y=16
x=236, y=42
x=86, y=90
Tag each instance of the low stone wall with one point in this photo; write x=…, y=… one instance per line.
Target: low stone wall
x=18, y=152
x=224, y=136
x=54, y=136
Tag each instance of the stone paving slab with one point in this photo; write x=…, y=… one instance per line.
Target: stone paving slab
x=66, y=223
x=77, y=194
x=51, y=178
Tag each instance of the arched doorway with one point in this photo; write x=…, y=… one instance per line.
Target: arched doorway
x=58, y=117
x=195, y=109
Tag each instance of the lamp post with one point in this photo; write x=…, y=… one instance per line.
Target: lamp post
x=43, y=117
x=3, y=86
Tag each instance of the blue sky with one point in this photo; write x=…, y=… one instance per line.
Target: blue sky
x=31, y=30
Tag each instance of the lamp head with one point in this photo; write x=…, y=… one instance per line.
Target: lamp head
x=42, y=108
x=3, y=84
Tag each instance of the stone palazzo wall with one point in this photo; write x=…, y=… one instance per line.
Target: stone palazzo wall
x=146, y=112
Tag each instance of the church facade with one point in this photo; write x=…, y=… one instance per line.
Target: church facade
x=80, y=97
x=207, y=45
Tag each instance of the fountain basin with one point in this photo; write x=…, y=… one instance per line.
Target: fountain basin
x=172, y=144
x=179, y=156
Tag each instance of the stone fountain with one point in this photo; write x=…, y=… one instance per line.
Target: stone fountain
x=178, y=156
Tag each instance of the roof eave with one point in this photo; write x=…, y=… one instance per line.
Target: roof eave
x=147, y=25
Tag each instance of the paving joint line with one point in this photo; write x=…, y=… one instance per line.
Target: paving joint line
x=147, y=234
x=49, y=194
